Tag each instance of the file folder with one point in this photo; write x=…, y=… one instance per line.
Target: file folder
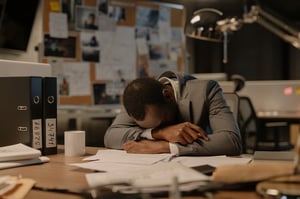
x=49, y=116
x=22, y=111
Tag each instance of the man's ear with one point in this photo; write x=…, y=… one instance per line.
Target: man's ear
x=168, y=95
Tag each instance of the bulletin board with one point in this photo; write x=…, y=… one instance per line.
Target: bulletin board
x=96, y=46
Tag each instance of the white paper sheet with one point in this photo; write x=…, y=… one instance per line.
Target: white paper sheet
x=107, y=166
x=122, y=157
x=119, y=50
x=215, y=161
x=78, y=76
x=142, y=46
x=58, y=25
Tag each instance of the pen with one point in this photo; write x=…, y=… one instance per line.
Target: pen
x=297, y=156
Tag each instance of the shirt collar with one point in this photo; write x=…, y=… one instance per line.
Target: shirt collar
x=174, y=84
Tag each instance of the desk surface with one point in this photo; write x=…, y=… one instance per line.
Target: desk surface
x=58, y=174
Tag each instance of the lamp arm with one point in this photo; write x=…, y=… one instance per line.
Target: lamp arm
x=274, y=25
x=278, y=22
x=287, y=37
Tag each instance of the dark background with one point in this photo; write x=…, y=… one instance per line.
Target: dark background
x=253, y=51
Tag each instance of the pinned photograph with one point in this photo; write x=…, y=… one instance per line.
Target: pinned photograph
x=147, y=17
x=91, y=55
x=103, y=94
x=68, y=7
x=86, y=18
x=118, y=13
x=89, y=39
x=60, y=47
x=103, y=7
x=90, y=47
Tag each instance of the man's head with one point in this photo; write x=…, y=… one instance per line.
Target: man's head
x=149, y=102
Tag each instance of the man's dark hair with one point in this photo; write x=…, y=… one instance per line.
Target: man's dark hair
x=141, y=92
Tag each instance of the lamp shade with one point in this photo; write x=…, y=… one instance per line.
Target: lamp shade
x=203, y=25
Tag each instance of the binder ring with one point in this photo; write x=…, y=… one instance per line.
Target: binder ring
x=36, y=99
x=51, y=99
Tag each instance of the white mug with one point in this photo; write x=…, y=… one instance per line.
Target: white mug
x=74, y=143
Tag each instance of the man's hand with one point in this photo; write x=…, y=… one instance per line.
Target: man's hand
x=183, y=133
x=146, y=147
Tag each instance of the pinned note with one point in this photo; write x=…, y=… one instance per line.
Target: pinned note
x=54, y=6
x=58, y=25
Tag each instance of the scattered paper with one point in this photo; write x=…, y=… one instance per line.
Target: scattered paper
x=7, y=183
x=160, y=174
x=19, y=163
x=121, y=156
x=107, y=167
x=18, y=152
x=14, y=187
x=214, y=161
x=125, y=172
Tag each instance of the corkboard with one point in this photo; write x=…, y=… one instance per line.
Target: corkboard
x=130, y=9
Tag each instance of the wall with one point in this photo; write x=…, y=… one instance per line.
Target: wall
x=36, y=37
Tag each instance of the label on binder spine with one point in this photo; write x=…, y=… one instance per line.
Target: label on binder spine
x=37, y=133
x=50, y=132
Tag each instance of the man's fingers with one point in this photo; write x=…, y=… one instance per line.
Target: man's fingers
x=127, y=145
x=189, y=134
x=187, y=138
x=193, y=129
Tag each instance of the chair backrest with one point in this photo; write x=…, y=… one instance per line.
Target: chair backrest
x=248, y=122
x=232, y=100
x=247, y=115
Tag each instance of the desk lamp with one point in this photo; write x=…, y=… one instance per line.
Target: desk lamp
x=210, y=24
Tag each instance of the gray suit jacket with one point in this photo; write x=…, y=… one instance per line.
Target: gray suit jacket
x=202, y=103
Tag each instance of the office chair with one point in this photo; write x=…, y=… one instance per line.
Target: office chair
x=248, y=124
x=255, y=133
x=239, y=82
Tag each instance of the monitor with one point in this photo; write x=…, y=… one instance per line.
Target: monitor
x=16, y=22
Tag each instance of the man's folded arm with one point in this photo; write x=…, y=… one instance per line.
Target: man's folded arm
x=122, y=130
x=226, y=143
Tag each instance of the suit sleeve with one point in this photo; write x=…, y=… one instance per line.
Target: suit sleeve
x=121, y=130
x=225, y=138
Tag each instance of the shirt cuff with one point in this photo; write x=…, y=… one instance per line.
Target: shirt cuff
x=173, y=149
x=147, y=134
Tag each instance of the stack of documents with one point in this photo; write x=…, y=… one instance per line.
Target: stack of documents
x=20, y=155
x=155, y=178
x=117, y=160
x=128, y=172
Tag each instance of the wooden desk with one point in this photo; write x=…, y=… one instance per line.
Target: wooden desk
x=57, y=174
